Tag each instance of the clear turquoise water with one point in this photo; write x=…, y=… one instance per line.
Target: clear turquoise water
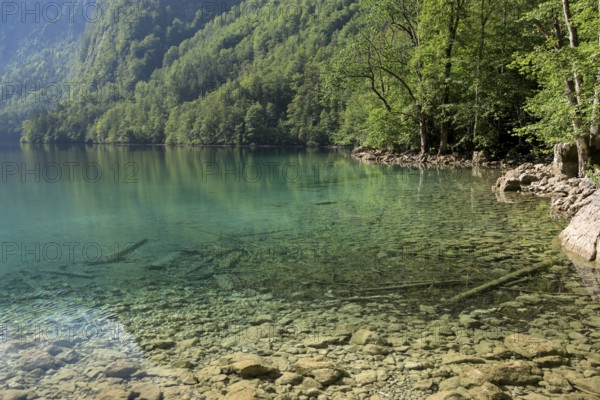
x=295, y=224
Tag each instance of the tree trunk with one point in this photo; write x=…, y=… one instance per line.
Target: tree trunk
x=443, y=139
x=445, y=100
x=422, y=130
x=583, y=154
x=454, y=19
x=595, y=123
x=478, y=75
x=594, y=127
x=573, y=89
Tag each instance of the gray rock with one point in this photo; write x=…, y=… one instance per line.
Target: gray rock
x=147, y=391
x=289, y=378
x=582, y=234
x=365, y=336
x=252, y=368
x=120, y=369
x=35, y=359
x=530, y=346
x=366, y=377
x=514, y=372
x=565, y=159
x=14, y=394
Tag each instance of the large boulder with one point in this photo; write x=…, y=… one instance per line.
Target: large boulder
x=582, y=234
x=565, y=159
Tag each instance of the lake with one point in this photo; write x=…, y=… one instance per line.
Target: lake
x=137, y=249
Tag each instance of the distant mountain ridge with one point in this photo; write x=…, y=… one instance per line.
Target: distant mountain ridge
x=201, y=73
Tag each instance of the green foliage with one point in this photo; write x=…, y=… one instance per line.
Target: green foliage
x=410, y=61
x=248, y=76
x=35, y=59
x=594, y=174
x=553, y=62
x=384, y=74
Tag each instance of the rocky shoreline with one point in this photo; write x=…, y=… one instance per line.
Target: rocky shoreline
x=411, y=159
x=556, y=181
x=574, y=199
x=568, y=195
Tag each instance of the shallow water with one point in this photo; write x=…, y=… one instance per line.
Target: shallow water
x=316, y=220
x=295, y=226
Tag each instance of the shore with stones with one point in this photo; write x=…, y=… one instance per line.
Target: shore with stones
x=305, y=350
x=568, y=194
x=415, y=160
x=574, y=199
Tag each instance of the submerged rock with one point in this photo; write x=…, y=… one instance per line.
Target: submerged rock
x=457, y=394
x=305, y=366
x=365, y=336
x=252, y=368
x=366, y=377
x=120, y=369
x=289, y=378
x=14, y=395
x=591, y=384
x=488, y=391
x=35, y=359
x=248, y=393
x=247, y=366
x=515, y=372
x=530, y=346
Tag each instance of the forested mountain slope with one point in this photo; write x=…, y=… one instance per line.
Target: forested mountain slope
x=428, y=75
x=38, y=43
x=252, y=75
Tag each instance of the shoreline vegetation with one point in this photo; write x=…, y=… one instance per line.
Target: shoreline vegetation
x=451, y=78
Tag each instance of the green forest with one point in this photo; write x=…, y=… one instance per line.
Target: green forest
x=429, y=76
